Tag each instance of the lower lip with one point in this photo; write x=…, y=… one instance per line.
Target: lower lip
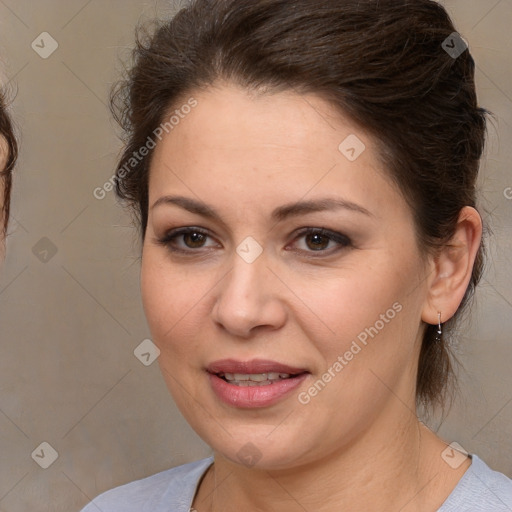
x=254, y=396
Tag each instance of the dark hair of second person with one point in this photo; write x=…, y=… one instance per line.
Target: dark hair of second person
x=8, y=156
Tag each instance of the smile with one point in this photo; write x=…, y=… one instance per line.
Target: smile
x=255, y=383
x=253, y=379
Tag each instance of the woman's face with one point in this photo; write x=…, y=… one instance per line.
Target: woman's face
x=246, y=291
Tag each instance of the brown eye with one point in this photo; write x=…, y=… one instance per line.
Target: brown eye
x=194, y=239
x=318, y=240
x=185, y=240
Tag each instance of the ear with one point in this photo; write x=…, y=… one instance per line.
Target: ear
x=453, y=267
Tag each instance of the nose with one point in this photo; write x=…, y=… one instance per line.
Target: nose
x=248, y=299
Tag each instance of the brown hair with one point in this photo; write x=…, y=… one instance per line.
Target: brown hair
x=7, y=143
x=382, y=63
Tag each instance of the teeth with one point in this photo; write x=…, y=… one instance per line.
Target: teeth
x=254, y=379
x=249, y=383
x=258, y=377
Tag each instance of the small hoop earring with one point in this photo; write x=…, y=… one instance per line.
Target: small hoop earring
x=439, y=332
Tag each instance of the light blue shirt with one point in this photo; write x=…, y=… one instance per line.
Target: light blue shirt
x=479, y=490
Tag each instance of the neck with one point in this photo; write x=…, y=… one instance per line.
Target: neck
x=392, y=466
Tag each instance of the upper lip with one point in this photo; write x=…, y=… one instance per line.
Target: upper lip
x=252, y=366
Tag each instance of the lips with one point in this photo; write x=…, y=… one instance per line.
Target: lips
x=253, y=366
x=255, y=383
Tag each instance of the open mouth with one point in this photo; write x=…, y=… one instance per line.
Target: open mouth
x=254, y=383
x=255, y=379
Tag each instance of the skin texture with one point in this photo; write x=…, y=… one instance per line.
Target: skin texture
x=358, y=442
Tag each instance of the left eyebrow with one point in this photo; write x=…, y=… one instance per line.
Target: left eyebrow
x=317, y=205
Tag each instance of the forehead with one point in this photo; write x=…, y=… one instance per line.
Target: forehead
x=283, y=119
x=249, y=147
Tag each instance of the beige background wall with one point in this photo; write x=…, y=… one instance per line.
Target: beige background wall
x=70, y=313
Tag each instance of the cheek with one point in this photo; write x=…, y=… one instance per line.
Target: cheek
x=163, y=296
x=371, y=313
x=150, y=291
x=172, y=298
x=346, y=303
x=165, y=303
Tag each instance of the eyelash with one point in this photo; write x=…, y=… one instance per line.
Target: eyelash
x=339, y=238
